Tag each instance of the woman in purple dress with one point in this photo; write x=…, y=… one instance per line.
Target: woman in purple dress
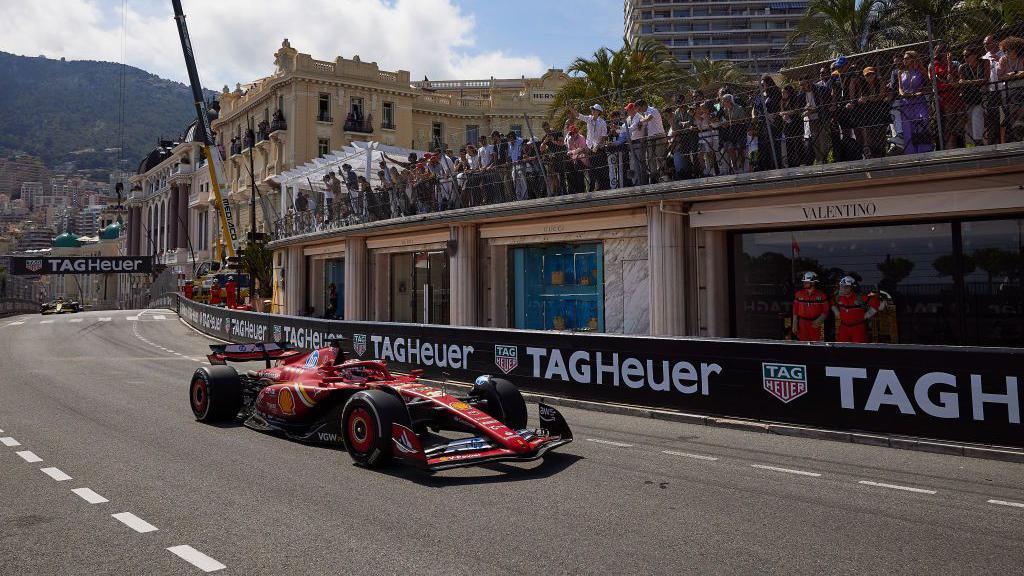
x=917, y=133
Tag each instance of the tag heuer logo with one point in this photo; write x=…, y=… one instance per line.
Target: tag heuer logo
x=506, y=357
x=786, y=382
x=359, y=344
x=34, y=265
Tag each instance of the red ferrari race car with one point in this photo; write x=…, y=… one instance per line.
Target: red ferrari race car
x=377, y=416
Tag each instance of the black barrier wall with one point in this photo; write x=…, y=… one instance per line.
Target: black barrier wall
x=952, y=393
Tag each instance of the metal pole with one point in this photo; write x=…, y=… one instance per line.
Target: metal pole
x=252, y=182
x=935, y=92
x=533, y=139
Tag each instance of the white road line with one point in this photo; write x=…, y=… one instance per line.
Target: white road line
x=46, y=322
x=609, y=442
x=786, y=470
x=896, y=487
x=29, y=456
x=106, y=319
x=132, y=318
x=196, y=558
x=688, y=455
x=134, y=522
x=1006, y=503
x=159, y=317
x=73, y=320
x=9, y=442
x=15, y=323
x=55, y=473
x=89, y=496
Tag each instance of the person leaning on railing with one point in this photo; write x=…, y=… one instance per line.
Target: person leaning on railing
x=1011, y=72
x=951, y=106
x=917, y=133
x=793, y=126
x=872, y=110
x=973, y=78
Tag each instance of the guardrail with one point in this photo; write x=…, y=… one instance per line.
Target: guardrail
x=12, y=306
x=951, y=393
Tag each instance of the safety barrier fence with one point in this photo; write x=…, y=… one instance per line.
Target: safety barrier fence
x=13, y=306
x=943, y=392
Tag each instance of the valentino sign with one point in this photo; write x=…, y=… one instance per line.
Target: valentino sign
x=27, y=266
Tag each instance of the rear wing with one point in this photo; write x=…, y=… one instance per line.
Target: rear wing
x=265, y=351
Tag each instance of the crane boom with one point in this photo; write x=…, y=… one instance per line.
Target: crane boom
x=204, y=135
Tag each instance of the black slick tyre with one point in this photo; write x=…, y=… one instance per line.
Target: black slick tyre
x=366, y=426
x=503, y=402
x=215, y=393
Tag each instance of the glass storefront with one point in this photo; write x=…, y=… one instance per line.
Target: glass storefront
x=334, y=289
x=558, y=287
x=420, y=287
x=948, y=282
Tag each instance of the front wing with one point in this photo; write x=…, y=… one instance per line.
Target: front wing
x=554, y=432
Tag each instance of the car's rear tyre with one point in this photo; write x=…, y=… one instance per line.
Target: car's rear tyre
x=502, y=401
x=366, y=426
x=215, y=393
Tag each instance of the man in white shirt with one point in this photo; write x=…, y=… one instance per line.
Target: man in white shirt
x=994, y=99
x=655, y=144
x=515, y=156
x=635, y=129
x=597, y=131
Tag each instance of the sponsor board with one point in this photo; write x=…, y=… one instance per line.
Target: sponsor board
x=81, y=265
x=950, y=393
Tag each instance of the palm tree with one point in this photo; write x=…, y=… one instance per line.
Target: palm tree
x=708, y=75
x=612, y=77
x=835, y=27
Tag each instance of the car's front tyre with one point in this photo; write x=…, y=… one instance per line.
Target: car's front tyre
x=215, y=393
x=366, y=426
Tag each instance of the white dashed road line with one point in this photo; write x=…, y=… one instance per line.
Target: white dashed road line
x=134, y=522
x=75, y=320
x=133, y=318
x=688, y=455
x=106, y=319
x=89, y=496
x=159, y=317
x=15, y=323
x=196, y=558
x=46, y=322
x=1006, y=503
x=609, y=442
x=896, y=487
x=29, y=456
x=786, y=470
x=55, y=473
x=9, y=442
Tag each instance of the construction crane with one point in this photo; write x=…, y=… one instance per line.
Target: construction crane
x=204, y=135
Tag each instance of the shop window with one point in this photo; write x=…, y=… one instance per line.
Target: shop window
x=334, y=289
x=914, y=265
x=419, y=287
x=558, y=287
x=993, y=264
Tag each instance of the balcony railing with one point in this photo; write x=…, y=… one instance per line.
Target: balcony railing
x=324, y=117
x=276, y=125
x=362, y=126
x=236, y=147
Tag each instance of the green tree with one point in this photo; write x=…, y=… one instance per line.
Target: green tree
x=609, y=77
x=258, y=262
x=709, y=75
x=835, y=27
x=994, y=261
x=894, y=270
x=945, y=265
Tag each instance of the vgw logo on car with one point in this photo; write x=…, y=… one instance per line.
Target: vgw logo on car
x=787, y=382
x=506, y=357
x=359, y=344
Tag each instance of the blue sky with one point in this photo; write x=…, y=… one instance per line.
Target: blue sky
x=235, y=39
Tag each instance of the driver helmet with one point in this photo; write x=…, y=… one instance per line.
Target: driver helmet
x=810, y=277
x=482, y=380
x=848, y=281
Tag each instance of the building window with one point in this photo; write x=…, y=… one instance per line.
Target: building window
x=334, y=289
x=993, y=268
x=472, y=134
x=356, y=109
x=323, y=113
x=436, y=136
x=323, y=146
x=558, y=287
x=387, y=115
x=420, y=287
x=914, y=265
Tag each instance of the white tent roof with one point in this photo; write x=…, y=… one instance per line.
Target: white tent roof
x=356, y=155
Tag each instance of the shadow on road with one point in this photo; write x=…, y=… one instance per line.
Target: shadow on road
x=551, y=464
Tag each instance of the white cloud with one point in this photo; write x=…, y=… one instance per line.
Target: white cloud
x=235, y=40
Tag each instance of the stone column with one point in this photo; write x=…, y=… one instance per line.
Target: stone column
x=381, y=287
x=716, y=282
x=665, y=237
x=295, y=281
x=462, y=268
x=498, y=300
x=182, y=218
x=171, y=217
x=357, y=279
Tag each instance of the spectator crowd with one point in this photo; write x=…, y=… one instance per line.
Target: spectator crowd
x=847, y=111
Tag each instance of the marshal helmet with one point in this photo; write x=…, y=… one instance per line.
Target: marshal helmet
x=810, y=277
x=848, y=281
